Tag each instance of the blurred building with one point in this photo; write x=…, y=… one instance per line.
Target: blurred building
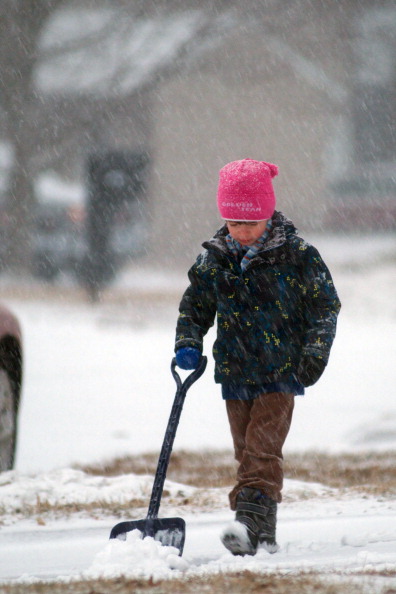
x=309, y=85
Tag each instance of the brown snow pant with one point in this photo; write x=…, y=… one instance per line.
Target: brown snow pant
x=259, y=428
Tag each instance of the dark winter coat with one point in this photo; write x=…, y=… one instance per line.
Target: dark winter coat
x=282, y=306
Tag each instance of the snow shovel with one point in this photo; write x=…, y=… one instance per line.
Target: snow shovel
x=168, y=531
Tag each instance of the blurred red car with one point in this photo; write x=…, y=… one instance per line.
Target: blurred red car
x=11, y=357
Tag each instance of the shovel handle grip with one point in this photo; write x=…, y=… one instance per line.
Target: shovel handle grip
x=190, y=379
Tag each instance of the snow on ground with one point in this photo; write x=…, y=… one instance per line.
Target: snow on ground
x=319, y=529
x=97, y=384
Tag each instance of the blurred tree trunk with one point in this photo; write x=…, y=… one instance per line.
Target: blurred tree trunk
x=19, y=197
x=21, y=22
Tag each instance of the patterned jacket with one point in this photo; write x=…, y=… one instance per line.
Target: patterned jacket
x=282, y=306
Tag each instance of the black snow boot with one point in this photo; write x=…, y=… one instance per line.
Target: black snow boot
x=254, y=526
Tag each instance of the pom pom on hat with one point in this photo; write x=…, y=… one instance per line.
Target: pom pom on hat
x=245, y=191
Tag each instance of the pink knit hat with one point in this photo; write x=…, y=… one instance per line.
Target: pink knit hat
x=245, y=191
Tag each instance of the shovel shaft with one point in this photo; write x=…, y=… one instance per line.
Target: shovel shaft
x=168, y=531
x=166, y=450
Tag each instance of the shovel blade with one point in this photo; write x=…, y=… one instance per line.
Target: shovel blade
x=170, y=532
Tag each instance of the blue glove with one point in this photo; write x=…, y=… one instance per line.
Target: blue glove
x=188, y=357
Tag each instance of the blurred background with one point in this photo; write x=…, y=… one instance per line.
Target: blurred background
x=115, y=117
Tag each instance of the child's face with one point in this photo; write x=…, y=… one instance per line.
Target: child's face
x=246, y=232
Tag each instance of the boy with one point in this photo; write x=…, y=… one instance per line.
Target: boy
x=276, y=309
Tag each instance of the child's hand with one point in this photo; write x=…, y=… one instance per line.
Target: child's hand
x=188, y=357
x=310, y=370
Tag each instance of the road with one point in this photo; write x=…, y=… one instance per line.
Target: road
x=339, y=542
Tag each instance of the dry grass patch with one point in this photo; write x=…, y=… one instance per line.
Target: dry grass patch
x=371, y=473
x=204, y=469
x=43, y=511
x=218, y=584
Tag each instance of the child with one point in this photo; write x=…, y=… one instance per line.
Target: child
x=276, y=309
